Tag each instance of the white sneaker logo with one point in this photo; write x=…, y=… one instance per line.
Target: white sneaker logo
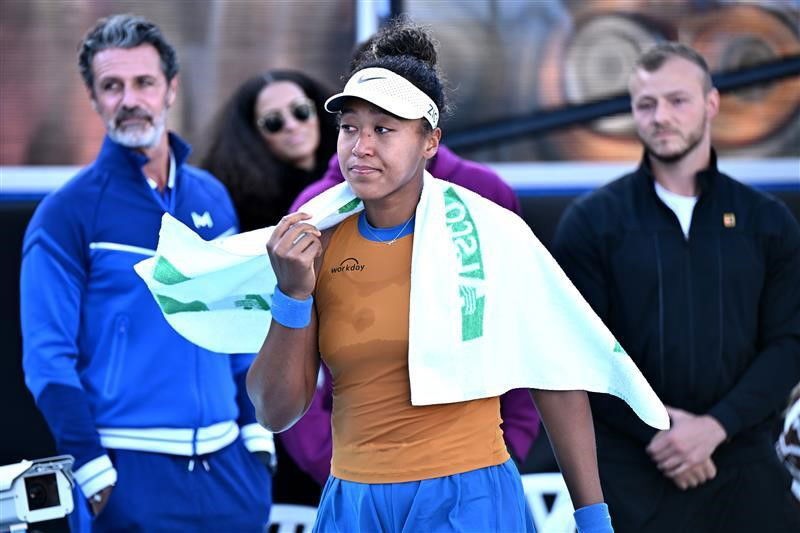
x=202, y=221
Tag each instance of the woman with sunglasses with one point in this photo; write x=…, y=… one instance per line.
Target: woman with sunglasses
x=271, y=139
x=396, y=467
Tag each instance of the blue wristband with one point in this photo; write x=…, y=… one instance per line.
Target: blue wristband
x=593, y=519
x=289, y=312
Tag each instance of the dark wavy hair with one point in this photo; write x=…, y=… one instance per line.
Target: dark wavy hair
x=262, y=186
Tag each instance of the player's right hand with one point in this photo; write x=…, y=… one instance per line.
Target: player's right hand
x=292, y=249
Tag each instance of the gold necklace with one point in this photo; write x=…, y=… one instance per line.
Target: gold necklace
x=387, y=243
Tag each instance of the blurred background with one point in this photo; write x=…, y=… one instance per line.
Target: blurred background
x=504, y=58
x=517, y=70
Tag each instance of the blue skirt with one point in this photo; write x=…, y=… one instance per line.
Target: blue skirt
x=483, y=500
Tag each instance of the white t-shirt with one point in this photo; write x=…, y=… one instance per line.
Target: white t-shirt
x=682, y=206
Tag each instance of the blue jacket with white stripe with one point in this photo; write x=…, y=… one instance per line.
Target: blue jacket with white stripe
x=97, y=352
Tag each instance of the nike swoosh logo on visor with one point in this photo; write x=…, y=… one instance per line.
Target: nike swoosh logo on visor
x=363, y=79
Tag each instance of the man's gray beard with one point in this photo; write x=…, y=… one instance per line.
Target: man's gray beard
x=137, y=137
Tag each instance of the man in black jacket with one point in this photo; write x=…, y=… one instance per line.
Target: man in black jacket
x=698, y=276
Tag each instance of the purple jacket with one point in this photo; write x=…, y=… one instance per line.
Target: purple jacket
x=309, y=441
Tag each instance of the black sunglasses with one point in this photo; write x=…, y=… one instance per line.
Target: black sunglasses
x=274, y=122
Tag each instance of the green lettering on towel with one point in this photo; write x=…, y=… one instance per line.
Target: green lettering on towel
x=252, y=301
x=238, y=302
x=166, y=273
x=171, y=305
x=468, y=249
x=349, y=206
x=618, y=348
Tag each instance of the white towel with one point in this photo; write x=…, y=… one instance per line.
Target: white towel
x=515, y=319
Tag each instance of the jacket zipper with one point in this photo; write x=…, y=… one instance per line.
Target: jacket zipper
x=118, y=347
x=660, y=310
x=690, y=314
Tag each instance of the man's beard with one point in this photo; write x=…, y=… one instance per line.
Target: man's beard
x=694, y=139
x=145, y=136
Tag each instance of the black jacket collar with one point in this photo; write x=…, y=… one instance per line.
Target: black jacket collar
x=706, y=178
x=654, y=213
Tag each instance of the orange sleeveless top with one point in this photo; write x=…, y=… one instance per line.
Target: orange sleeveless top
x=362, y=299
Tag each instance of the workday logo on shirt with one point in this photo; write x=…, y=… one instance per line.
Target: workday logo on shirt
x=351, y=264
x=202, y=221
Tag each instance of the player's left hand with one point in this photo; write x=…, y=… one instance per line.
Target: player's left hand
x=689, y=442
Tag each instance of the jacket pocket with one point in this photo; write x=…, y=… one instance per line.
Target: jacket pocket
x=119, y=346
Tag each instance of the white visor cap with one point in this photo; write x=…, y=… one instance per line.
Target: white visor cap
x=390, y=92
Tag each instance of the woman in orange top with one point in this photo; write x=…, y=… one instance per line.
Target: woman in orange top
x=344, y=295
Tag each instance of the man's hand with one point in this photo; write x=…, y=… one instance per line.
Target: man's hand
x=689, y=443
x=270, y=461
x=696, y=476
x=99, y=500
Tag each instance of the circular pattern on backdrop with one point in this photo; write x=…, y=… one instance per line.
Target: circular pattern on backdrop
x=735, y=38
x=598, y=61
x=592, y=60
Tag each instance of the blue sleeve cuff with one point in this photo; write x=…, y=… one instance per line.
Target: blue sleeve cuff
x=95, y=475
x=593, y=519
x=258, y=439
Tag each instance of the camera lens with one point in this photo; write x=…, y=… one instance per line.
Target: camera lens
x=37, y=495
x=42, y=491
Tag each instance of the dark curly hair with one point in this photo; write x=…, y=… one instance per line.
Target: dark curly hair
x=409, y=50
x=262, y=186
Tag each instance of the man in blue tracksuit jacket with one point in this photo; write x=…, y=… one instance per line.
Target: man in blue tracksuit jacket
x=161, y=430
